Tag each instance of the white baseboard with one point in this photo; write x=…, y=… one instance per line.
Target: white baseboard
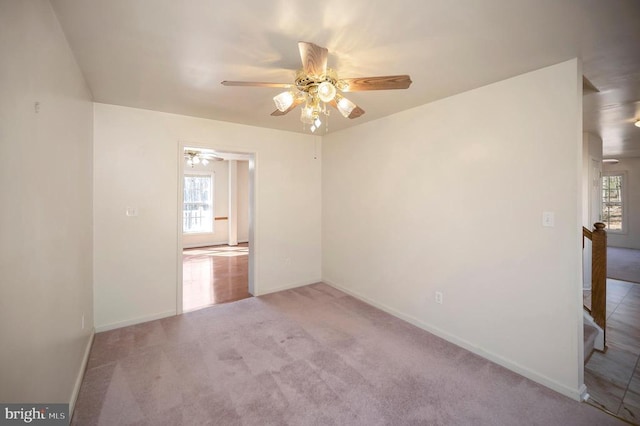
x=575, y=394
x=83, y=368
x=289, y=287
x=134, y=321
x=209, y=244
x=206, y=244
x=584, y=395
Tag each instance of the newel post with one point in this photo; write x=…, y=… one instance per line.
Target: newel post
x=599, y=275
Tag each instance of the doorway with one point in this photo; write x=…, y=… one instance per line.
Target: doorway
x=215, y=227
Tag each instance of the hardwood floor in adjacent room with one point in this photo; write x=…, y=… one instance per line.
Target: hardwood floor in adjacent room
x=215, y=274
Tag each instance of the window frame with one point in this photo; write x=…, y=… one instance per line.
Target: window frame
x=623, y=200
x=199, y=173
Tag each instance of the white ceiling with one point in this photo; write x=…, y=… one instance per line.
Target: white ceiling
x=171, y=56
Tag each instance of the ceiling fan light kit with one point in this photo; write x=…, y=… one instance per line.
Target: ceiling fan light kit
x=284, y=100
x=326, y=91
x=344, y=105
x=318, y=86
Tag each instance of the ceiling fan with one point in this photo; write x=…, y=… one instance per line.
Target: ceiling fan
x=196, y=156
x=316, y=86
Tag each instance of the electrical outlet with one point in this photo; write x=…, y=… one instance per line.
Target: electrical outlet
x=439, y=297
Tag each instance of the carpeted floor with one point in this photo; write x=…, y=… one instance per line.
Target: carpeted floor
x=308, y=356
x=623, y=264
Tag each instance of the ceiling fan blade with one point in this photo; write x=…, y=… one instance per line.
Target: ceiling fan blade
x=357, y=112
x=314, y=58
x=256, y=84
x=385, y=82
x=295, y=103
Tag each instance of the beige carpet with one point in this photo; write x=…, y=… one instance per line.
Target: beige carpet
x=308, y=356
x=623, y=264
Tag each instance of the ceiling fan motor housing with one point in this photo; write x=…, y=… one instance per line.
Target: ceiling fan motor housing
x=304, y=81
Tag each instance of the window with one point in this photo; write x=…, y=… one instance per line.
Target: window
x=613, y=198
x=197, y=210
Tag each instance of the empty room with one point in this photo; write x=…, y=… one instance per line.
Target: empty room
x=350, y=213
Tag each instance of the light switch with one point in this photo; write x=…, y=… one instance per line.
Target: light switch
x=548, y=219
x=132, y=211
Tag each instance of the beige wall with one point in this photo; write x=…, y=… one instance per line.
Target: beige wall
x=45, y=219
x=135, y=258
x=449, y=197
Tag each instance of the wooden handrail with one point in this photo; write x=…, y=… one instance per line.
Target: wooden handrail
x=599, y=275
x=586, y=233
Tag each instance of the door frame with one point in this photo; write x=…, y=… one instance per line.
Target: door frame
x=236, y=154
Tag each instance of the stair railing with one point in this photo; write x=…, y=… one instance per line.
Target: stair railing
x=598, y=237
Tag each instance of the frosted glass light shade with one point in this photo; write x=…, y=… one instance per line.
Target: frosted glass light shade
x=345, y=106
x=283, y=101
x=306, y=116
x=326, y=91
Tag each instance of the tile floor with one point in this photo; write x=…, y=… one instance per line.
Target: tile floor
x=613, y=378
x=212, y=275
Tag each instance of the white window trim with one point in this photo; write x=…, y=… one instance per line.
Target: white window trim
x=625, y=217
x=213, y=199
